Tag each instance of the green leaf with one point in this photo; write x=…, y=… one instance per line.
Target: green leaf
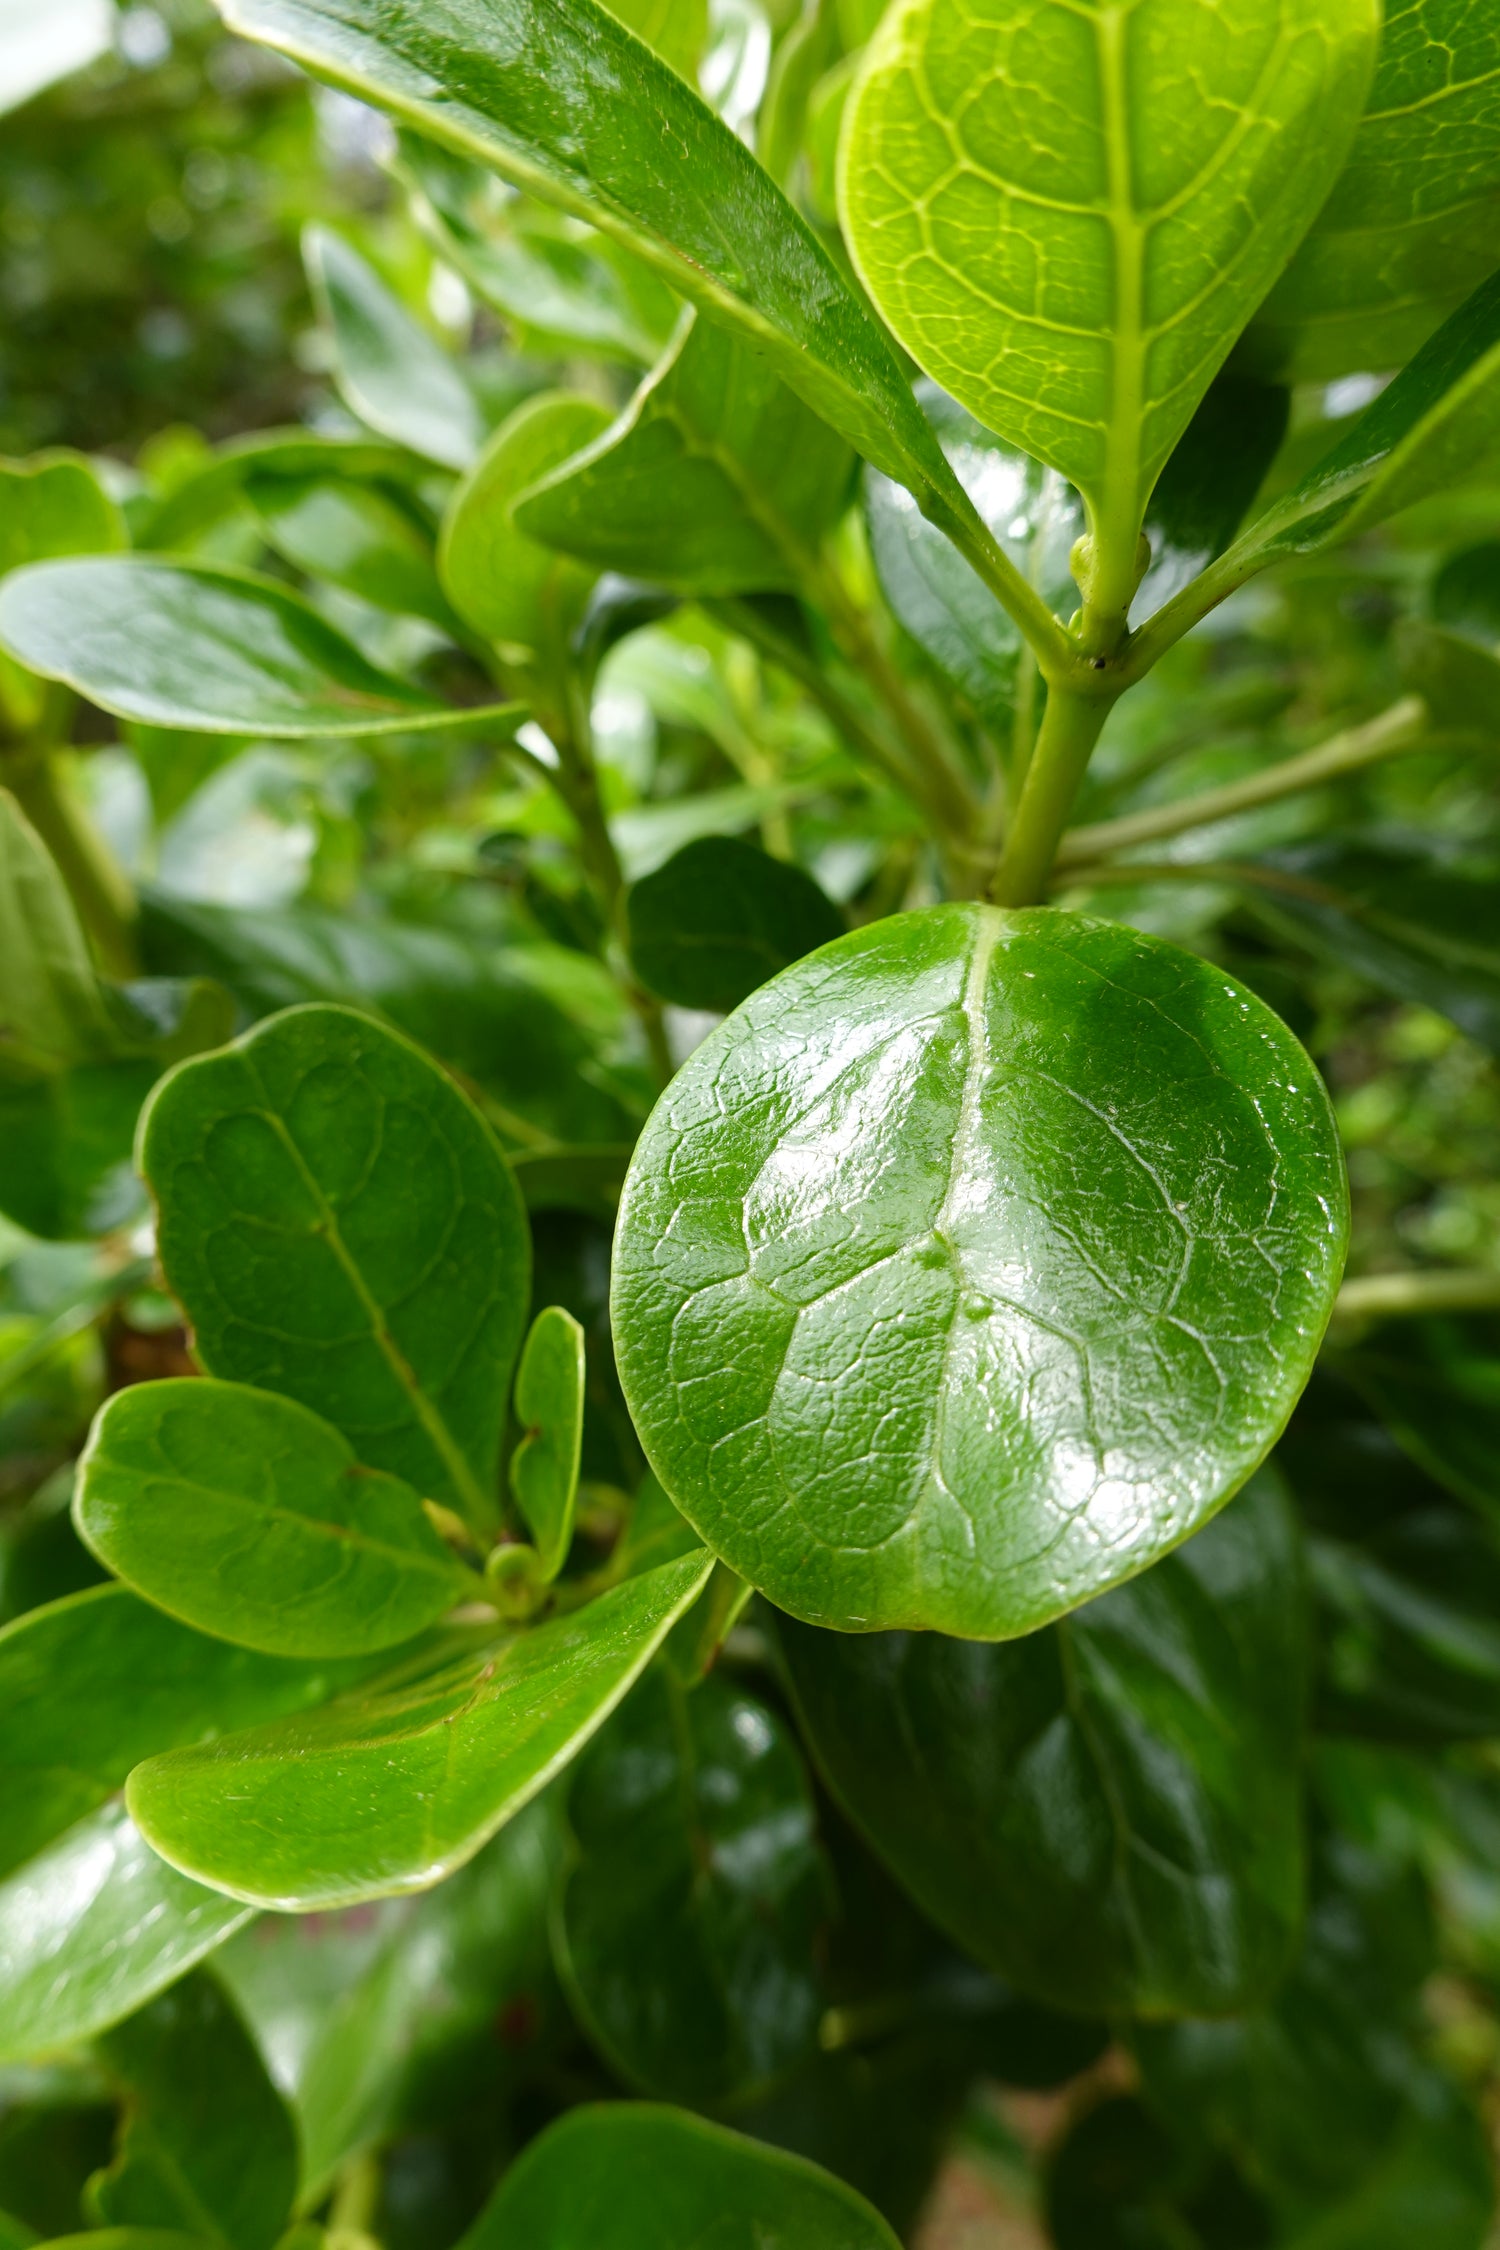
x=971, y=1265
x=950, y=613
x=248, y=1517
x=688, y=1926
x=93, y=1927
x=561, y=286
x=94, y=1683
x=715, y=480
x=1435, y=1384
x=1203, y=493
x=506, y=586
x=549, y=1410
x=342, y=1228
x=677, y=29
x=53, y=1008
x=68, y=1139
x=207, y=2144
x=201, y=502
x=393, y=1787
x=389, y=371
x=612, y=2177
x=1435, y=2184
x=383, y=2018
x=354, y=536
x=719, y=919
x=561, y=102
x=1409, y=229
x=1415, y=923
x=1436, y=425
x=1108, y=1812
x=1121, y=2181
x=1067, y=215
x=216, y=651
x=55, y=505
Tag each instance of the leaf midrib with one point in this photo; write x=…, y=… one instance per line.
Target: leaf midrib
x=315, y=1527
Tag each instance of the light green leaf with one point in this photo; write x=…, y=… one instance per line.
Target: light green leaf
x=217, y=651
x=1107, y=1813
x=549, y=1409
x=201, y=502
x=94, y=1683
x=389, y=371
x=355, y=537
x=207, y=2144
x=92, y=1928
x=715, y=480
x=611, y=2178
x=677, y=29
x=720, y=918
x=53, y=1009
x=248, y=1517
x=55, y=505
x=689, y=1926
x=372, y=2019
x=507, y=587
x=1068, y=213
x=561, y=286
x=342, y=1228
x=972, y=1265
x=561, y=102
x=1409, y=229
x=394, y=1787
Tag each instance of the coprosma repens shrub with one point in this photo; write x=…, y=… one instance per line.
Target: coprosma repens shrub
x=735, y=1512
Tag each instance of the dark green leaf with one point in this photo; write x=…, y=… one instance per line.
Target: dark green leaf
x=1067, y=221
x=342, y=1228
x=561, y=286
x=207, y=2144
x=68, y=1139
x=720, y=918
x=387, y=2017
x=1205, y=490
x=1121, y=2181
x=549, y=1411
x=391, y=373
x=506, y=586
x=573, y=1179
x=1466, y=593
x=611, y=2178
x=688, y=1926
x=92, y=1684
x=91, y=1928
x=247, y=1516
x=1410, y=226
x=562, y=103
x=1107, y=1812
x=1435, y=2184
x=393, y=1787
x=1458, y=679
x=715, y=480
x=1436, y=1385
x=971, y=1265
x=217, y=651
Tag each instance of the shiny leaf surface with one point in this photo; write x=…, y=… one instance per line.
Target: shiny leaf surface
x=392, y=374
x=549, y=1410
x=342, y=1228
x=515, y=592
x=394, y=1787
x=715, y=480
x=972, y=1264
x=217, y=651
x=609, y=2178
x=1107, y=1813
x=94, y=1926
x=249, y=1517
x=688, y=1925
x=1067, y=215
x=719, y=919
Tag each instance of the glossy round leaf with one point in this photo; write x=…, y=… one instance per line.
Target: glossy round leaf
x=972, y=1264
x=688, y=1928
x=619, y=2177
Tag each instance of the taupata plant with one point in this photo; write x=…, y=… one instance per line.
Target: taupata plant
x=967, y=1266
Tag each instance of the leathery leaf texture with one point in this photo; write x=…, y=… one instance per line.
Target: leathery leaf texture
x=1108, y=1812
x=341, y=1226
x=1067, y=212
x=972, y=1264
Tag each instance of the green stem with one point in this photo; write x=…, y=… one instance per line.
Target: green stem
x=1389, y=1296
x=1397, y=730
x=96, y=883
x=1054, y=648
x=1071, y=725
